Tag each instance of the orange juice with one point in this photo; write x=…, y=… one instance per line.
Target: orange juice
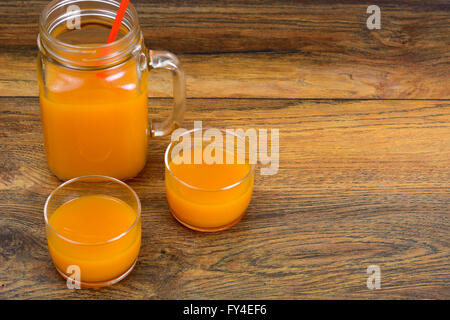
x=208, y=197
x=95, y=124
x=98, y=233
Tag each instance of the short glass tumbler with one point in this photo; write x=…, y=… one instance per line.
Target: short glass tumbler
x=93, y=226
x=209, y=184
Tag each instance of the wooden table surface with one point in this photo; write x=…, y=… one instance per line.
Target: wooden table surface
x=364, y=178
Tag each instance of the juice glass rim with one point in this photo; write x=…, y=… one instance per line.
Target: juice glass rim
x=55, y=4
x=166, y=161
x=99, y=242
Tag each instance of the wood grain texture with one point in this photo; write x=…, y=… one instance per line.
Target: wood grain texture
x=261, y=75
x=271, y=49
x=360, y=183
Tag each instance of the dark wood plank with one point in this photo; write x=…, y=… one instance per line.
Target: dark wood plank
x=326, y=49
x=261, y=75
x=360, y=183
x=276, y=25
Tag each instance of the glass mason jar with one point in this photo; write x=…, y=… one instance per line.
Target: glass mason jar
x=94, y=95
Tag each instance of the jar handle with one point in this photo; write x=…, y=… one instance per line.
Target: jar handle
x=167, y=60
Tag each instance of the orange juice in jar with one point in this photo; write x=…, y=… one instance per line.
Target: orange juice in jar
x=94, y=95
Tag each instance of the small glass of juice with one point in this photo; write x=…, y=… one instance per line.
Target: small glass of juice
x=93, y=226
x=209, y=177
